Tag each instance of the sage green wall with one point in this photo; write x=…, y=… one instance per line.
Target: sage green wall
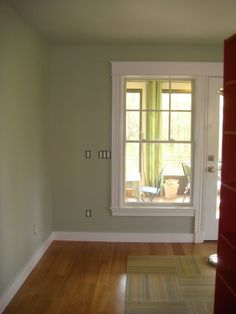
x=80, y=113
x=24, y=185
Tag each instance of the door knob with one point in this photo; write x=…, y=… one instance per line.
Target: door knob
x=211, y=169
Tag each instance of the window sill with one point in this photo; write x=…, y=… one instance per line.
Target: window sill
x=154, y=211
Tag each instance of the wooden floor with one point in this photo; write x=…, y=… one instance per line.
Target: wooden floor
x=88, y=277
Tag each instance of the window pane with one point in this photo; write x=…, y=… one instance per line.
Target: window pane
x=132, y=125
x=132, y=174
x=173, y=155
x=155, y=125
x=167, y=155
x=131, y=160
x=181, y=101
x=165, y=160
x=161, y=165
x=133, y=100
x=180, y=126
x=157, y=95
x=165, y=101
x=181, y=95
x=165, y=88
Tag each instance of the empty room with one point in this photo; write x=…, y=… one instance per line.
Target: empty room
x=117, y=166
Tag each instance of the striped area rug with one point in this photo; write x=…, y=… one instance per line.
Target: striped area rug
x=169, y=285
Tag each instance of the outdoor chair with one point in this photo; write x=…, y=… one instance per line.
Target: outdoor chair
x=152, y=191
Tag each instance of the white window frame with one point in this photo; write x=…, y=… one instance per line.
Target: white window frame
x=199, y=72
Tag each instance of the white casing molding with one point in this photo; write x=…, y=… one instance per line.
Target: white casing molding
x=6, y=297
x=200, y=72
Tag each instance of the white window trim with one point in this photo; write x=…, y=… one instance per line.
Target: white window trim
x=199, y=72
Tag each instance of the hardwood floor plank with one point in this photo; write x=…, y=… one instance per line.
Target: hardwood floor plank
x=88, y=277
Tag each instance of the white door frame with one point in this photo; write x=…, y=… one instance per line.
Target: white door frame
x=212, y=132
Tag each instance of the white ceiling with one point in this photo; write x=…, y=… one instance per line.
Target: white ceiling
x=130, y=21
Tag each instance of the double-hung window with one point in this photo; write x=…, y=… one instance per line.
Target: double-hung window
x=157, y=141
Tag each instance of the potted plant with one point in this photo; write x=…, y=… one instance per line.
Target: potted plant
x=171, y=188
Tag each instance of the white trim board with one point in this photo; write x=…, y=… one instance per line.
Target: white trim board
x=123, y=237
x=6, y=297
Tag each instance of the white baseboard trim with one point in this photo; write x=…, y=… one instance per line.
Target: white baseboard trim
x=6, y=297
x=122, y=237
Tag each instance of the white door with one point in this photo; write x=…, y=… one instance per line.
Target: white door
x=213, y=158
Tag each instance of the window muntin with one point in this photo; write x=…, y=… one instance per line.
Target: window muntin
x=158, y=137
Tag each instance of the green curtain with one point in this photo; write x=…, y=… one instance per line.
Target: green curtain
x=153, y=158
